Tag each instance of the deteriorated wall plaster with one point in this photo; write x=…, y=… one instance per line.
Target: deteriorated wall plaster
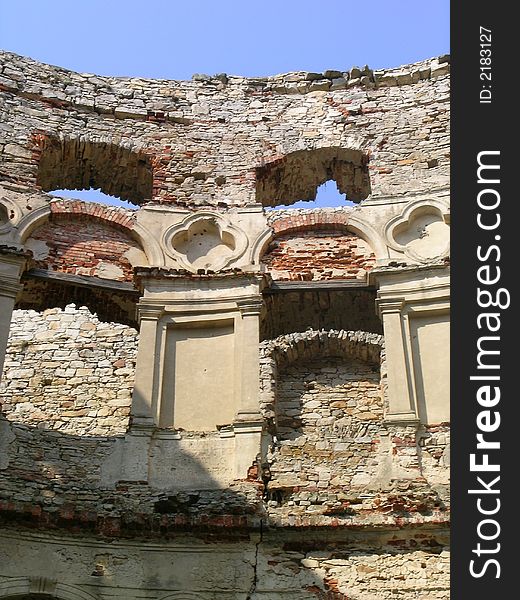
x=348, y=494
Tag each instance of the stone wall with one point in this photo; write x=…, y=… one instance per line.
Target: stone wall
x=332, y=466
x=67, y=371
x=66, y=391
x=221, y=141
x=328, y=412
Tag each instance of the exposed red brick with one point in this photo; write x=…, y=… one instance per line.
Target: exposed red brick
x=79, y=241
x=317, y=254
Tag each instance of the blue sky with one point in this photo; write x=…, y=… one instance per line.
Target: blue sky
x=174, y=39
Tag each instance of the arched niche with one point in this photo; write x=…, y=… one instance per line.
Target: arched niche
x=82, y=163
x=110, y=216
x=297, y=347
x=84, y=244
x=297, y=175
x=323, y=398
x=318, y=251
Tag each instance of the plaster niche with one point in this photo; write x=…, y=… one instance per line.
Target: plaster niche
x=421, y=232
x=204, y=241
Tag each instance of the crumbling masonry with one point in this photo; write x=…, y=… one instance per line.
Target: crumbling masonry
x=204, y=398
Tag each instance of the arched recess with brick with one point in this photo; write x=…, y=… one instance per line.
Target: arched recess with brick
x=322, y=394
x=87, y=239
x=84, y=253
x=315, y=246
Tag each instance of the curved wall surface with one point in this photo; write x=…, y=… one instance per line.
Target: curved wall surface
x=209, y=396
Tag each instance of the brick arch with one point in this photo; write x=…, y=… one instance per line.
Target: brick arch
x=303, y=221
x=297, y=175
x=293, y=347
x=84, y=243
x=112, y=215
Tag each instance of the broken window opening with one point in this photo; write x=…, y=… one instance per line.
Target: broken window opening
x=93, y=195
x=327, y=196
x=79, y=164
x=297, y=176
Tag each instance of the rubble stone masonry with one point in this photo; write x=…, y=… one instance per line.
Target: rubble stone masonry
x=207, y=397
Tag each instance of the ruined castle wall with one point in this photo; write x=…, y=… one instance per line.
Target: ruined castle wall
x=341, y=502
x=66, y=396
x=199, y=143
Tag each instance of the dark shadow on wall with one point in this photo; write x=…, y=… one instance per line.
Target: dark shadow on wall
x=43, y=488
x=293, y=310
x=112, y=301
x=105, y=484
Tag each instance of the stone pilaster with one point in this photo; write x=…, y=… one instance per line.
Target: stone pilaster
x=146, y=366
x=12, y=265
x=400, y=390
x=413, y=303
x=248, y=409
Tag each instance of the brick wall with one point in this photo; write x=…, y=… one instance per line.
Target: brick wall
x=318, y=255
x=81, y=245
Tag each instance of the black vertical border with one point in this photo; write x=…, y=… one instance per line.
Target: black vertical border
x=480, y=127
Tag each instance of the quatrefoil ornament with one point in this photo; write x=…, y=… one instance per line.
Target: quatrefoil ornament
x=204, y=240
x=421, y=231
